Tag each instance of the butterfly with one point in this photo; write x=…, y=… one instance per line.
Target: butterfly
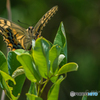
x=18, y=37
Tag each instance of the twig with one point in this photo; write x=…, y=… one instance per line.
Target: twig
x=44, y=86
x=3, y=95
x=9, y=18
x=9, y=10
x=9, y=14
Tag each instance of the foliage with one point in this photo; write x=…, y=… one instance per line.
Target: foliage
x=45, y=62
x=84, y=97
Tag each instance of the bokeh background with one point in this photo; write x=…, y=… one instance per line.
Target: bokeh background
x=81, y=20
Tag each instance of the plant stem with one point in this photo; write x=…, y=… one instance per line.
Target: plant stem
x=9, y=17
x=44, y=86
x=3, y=95
x=8, y=9
x=38, y=89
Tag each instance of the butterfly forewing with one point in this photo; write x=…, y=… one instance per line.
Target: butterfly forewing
x=13, y=34
x=41, y=23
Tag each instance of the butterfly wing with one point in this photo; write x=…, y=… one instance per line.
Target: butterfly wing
x=41, y=23
x=13, y=34
x=17, y=37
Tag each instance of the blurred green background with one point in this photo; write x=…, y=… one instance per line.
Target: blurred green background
x=81, y=19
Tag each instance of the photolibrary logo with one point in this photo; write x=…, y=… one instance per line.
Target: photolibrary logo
x=72, y=93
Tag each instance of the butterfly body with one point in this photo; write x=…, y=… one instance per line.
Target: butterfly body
x=17, y=37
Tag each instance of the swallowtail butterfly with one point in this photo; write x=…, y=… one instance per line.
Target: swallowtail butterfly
x=18, y=37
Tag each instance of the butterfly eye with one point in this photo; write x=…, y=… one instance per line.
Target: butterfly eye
x=29, y=28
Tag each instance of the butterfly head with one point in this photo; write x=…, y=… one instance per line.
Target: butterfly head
x=30, y=31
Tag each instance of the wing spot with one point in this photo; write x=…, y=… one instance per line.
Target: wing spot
x=5, y=27
x=1, y=25
x=2, y=22
x=8, y=23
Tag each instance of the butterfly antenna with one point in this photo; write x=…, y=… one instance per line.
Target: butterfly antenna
x=33, y=24
x=23, y=23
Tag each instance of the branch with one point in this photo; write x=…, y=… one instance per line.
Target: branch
x=9, y=18
x=9, y=10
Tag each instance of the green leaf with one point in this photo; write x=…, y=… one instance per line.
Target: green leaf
x=53, y=57
x=50, y=44
x=5, y=78
x=3, y=63
x=20, y=51
x=19, y=84
x=68, y=68
x=33, y=89
x=17, y=72
x=55, y=77
x=29, y=67
x=60, y=39
x=41, y=56
x=33, y=97
x=65, y=49
x=19, y=77
x=13, y=64
x=84, y=97
x=33, y=43
x=55, y=65
x=54, y=90
x=61, y=57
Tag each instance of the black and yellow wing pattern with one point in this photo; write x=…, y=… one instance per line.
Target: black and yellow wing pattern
x=43, y=21
x=12, y=34
x=17, y=37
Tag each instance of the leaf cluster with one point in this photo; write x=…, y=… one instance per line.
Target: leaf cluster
x=45, y=61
